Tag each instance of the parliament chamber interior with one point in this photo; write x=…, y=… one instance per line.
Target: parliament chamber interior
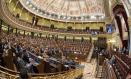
x=65, y=39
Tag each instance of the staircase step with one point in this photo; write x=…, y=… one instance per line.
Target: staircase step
x=99, y=72
x=90, y=55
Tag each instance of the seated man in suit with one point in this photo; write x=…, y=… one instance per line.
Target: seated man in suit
x=2, y=61
x=1, y=47
x=21, y=66
x=25, y=56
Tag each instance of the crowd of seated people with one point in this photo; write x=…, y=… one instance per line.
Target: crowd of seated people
x=1, y=52
x=75, y=50
x=120, y=63
x=122, y=69
x=28, y=52
x=124, y=61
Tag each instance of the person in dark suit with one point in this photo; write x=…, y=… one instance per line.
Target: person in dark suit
x=25, y=56
x=1, y=53
x=1, y=47
x=21, y=67
x=2, y=63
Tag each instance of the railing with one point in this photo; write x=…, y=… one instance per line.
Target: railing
x=71, y=74
x=108, y=71
x=121, y=68
x=8, y=74
x=121, y=65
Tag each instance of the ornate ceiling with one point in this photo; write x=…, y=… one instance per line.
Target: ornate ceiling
x=66, y=9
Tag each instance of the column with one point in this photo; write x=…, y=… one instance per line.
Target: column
x=24, y=33
x=16, y=31
x=8, y=31
x=32, y=34
x=1, y=25
x=129, y=23
x=40, y=35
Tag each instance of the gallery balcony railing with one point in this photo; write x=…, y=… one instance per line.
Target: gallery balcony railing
x=71, y=74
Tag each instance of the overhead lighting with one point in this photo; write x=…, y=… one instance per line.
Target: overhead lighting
x=50, y=15
x=27, y=2
x=111, y=41
x=45, y=14
x=102, y=17
x=34, y=8
x=64, y=17
x=77, y=18
x=82, y=18
x=41, y=12
x=93, y=17
x=59, y=16
x=38, y=10
x=30, y=5
x=69, y=17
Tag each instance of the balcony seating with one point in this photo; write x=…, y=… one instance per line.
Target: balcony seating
x=120, y=68
x=120, y=64
x=108, y=71
x=12, y=20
